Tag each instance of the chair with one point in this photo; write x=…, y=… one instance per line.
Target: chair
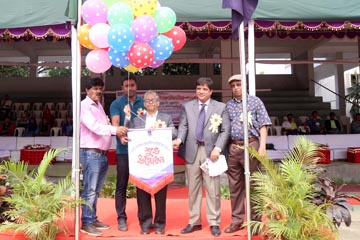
x=59, y=106
x=345, y=124
x=276, y=130
x=69, y=106
x=274, y=121
x=303, y=129
x=19, y=131
x=37, y=106
x=62, y=114
x=50, y=105
x=16, y=106
x=269, y=130
x=37, y=114
x=303, y=119
x=59, y=122
x=56, y=131
x=26, y=106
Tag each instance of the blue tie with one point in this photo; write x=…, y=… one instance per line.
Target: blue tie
x=200, y=124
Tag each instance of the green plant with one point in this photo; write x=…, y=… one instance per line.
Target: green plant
x=284, y=194
x=225, y=192
x=38, y=206
x=109, y=188
x=354, y=95
x=328, y=192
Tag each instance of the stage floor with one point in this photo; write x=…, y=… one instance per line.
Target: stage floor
x=177, y=218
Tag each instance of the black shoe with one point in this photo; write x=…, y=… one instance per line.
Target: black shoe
x=122, y=226
x=100, y=225
x=191, y=228
x=144, y=231
x=159, y=231
x=91, y=230
x=233, y=228
x=215, y=231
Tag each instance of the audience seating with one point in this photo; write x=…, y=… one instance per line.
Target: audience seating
x=60, y=106
x=55, y=131
x=50, y=105
x=38, y=106
x=16, y=106
x=26, y=106
x=19, y=131
x=58, y=122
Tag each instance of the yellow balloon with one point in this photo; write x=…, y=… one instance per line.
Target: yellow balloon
x=83, y=36
x=131, y=68
x=143, y=7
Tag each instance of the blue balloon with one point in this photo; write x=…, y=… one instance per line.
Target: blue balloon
x=120, y=37
x=163, y=47
x=118, y=58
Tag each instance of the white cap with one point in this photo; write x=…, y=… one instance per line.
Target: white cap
x=236, y=77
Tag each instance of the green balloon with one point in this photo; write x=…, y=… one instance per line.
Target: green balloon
x=165, y=19
x=120, y=13
x=109, y=3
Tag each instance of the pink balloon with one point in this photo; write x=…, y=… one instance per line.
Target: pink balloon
x=98, y=35
x=178, y=37
x=97, y=61
x=94, y=11
x=144, y=28
x=141, y=55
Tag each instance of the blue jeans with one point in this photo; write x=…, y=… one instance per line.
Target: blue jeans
x=94, y=166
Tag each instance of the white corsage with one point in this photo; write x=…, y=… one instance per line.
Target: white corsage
x=249, y=118
x=141, y=112
x=215, y=121
x=160, y=124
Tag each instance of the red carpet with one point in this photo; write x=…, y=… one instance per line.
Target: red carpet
x=177, y=218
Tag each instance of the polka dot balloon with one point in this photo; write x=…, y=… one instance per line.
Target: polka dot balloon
x=141, y=55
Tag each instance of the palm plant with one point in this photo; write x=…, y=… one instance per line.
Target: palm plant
x=38, y=206
x=283, y=193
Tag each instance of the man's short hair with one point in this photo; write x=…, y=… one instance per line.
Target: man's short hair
x=92, y=82
x=130, y=76
x=205, y=81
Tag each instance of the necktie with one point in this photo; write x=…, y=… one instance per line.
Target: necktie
x=200, y=124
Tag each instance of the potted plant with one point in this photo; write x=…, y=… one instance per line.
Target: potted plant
x=354, y=95
x=38, y=206
x=284, y=194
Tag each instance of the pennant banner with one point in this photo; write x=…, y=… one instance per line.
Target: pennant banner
x=151, y=158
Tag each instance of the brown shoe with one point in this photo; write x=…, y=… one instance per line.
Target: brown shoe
x=233, y=228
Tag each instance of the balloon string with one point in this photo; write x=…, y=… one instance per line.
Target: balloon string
x=128, y=98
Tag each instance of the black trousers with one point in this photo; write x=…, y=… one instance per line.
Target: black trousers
x=122, y=179
x=145, y=214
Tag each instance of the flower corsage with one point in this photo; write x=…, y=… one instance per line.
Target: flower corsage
x=141, y=112
x=249, y=118
x=215, y=121
x=160, y=124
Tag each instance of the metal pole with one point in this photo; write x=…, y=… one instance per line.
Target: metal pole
x=76, y=91
x=251, y=54
x=245, y=121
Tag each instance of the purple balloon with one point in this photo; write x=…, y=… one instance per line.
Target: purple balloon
x=156, y=63
x=144, y=28
x=94, y=11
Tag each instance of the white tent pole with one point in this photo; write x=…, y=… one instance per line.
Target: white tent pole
x=251, y=54
x=76, y=91
x=245, y=121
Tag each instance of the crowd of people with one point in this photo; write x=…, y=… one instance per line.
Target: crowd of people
x=315, y=125
x=27, y=120
x=196, y=139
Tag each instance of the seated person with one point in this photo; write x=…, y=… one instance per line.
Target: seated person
x=289, y=127
x=67, y=127
x=315, y=124
x=47, y=114
x=24, y=119
x=32, y=129
x=45, y=127
x=7, y=128
x=332, y=125
x=355, y=124
x=6, y=105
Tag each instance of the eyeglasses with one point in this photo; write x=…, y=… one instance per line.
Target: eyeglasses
x=150, y=100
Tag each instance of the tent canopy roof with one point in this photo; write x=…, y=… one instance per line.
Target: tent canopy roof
x=28, y=13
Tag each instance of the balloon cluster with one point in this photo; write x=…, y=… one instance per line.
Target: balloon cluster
x=129, y=34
